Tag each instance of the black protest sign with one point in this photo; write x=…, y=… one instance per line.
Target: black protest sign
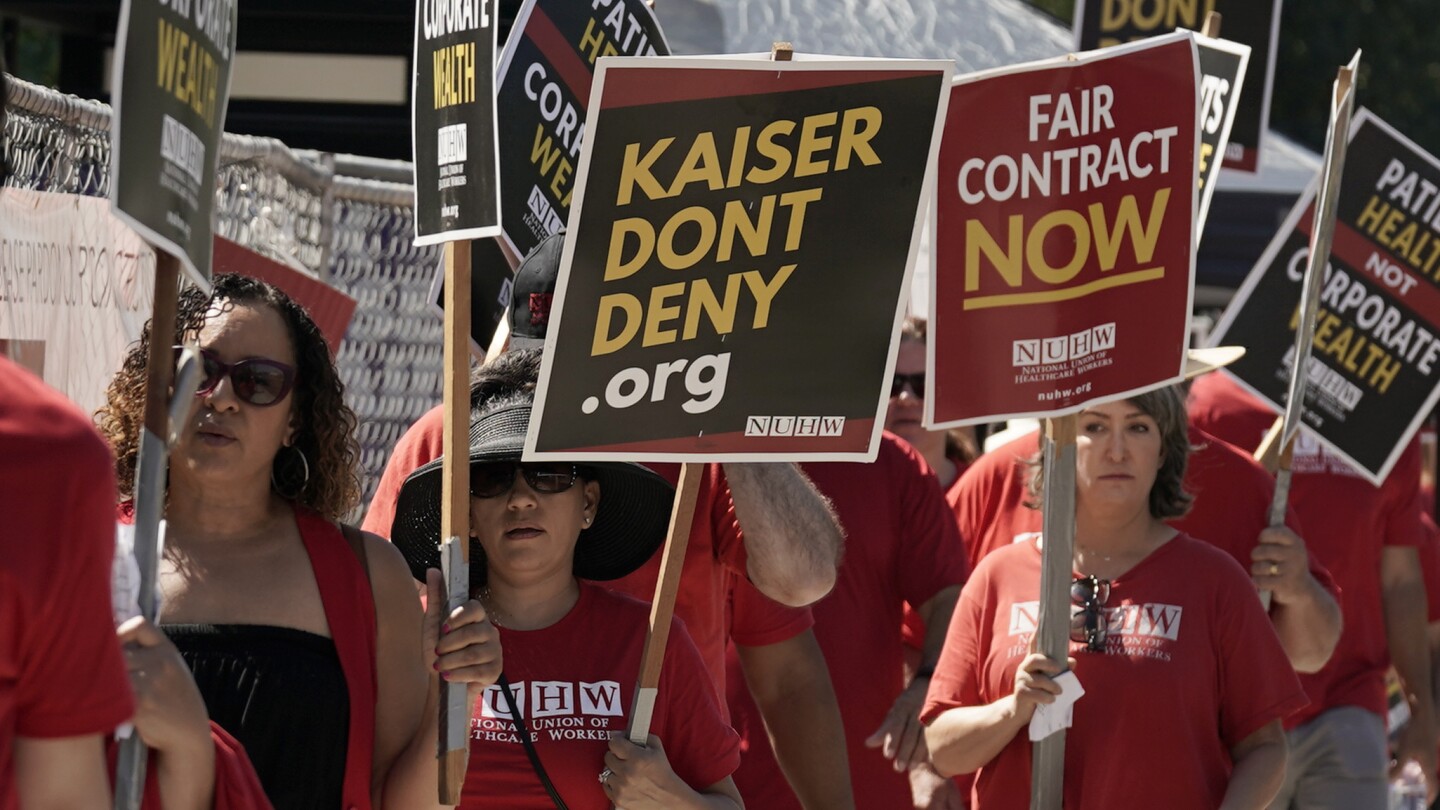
x=544, y=89
x=731, y=285
x=1102, y=23
x=172, y=74
x=1222, y=74
x=452, y=117
x=1375, y=361
x=490, y=286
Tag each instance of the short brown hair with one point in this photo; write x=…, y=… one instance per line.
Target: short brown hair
x=1168, y=498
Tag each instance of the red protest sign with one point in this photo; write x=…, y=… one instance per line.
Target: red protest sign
x=1064, y=247
x=328, y=307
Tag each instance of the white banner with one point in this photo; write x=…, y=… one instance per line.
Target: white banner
x=76, y=287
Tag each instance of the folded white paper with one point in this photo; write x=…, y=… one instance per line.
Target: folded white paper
x=1056, y=716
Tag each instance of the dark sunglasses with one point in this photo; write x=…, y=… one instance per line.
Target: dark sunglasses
x=915, y=381
x=491, y=479
x=256, y=380
x=1088, y=623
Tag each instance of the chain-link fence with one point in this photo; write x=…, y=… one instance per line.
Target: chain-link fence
x=345, y=220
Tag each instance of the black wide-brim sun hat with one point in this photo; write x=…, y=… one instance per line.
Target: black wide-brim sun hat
x=630, y=522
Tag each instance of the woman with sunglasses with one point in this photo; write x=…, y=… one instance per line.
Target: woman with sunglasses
x=1185, y=680
x=306, y=641
x=551, y=734
x=948, y=452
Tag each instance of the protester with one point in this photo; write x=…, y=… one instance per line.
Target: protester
x=901, y=546
x=789, y=528
x=1367, y=537
x=1174, y=715
x=306, y=642
x=1231, y=511
x=572, y=648
x=62, y=679
x=948, y=452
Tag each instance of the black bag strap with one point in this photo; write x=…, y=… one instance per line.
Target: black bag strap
x=529, y=746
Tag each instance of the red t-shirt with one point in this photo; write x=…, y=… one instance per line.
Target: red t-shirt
x=574, y=682
x=715, y=542
x=1348, y=523
x=1232, y=500
x=1192, y=668
x=900, y=546
x=61, y=673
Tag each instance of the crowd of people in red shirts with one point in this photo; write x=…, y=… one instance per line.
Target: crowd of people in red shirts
x=846, y=636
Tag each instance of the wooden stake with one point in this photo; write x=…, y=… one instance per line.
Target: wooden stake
x=150, y=467
x=1322, y=232
x=1211, y=28
x=1052, y=634
x=1268, y=453
x=455, y=506
x=662, y=608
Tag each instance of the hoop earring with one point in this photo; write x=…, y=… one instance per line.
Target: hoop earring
x=305, y=479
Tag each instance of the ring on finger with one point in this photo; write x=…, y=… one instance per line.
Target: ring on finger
x=605, y=775
x=1274, y=569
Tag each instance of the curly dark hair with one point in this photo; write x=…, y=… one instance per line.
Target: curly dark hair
x=326, y=430
x=1168, y=498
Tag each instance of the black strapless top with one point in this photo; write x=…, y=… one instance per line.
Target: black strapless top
x=281, y=693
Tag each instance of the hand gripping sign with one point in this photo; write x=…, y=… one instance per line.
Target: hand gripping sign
x=742, y=235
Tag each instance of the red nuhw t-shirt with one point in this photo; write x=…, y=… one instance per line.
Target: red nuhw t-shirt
x=61, y=673
x=573, y=682
x=1192, y=668
x=900, y=546
x=1348, y=523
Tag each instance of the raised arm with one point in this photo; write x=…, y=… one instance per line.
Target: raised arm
x=61, y=773
x=793, y=541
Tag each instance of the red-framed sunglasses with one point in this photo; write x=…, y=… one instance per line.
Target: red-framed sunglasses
x=257, y=381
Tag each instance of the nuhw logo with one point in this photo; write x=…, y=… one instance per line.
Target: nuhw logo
x=555, y=698
x=794, y=425
x=1063, y=348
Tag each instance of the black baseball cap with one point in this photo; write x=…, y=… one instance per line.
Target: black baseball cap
x=533, y=291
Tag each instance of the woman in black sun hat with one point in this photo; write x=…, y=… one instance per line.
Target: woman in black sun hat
x=551, y=733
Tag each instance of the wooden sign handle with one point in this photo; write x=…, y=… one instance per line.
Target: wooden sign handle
x=662, y=609
x=1052, y=634
x=455, y=507
x=152, y=460
x=1211, y=28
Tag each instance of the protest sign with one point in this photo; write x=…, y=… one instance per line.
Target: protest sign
x=731, y=287
x=172, y=74
x=1256, y=23
x=452, y=117
x=1222, y=74
x=329, y=308
x=1065, y=242
x=544, y=88
x=490, y=288
x=1373, y=368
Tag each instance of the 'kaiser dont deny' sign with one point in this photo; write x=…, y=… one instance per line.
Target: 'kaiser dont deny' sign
x=173, y=77
x=452, y=113
x=732, y=285
x=1376, y=359
x=544, y=88
x=1064, y=254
